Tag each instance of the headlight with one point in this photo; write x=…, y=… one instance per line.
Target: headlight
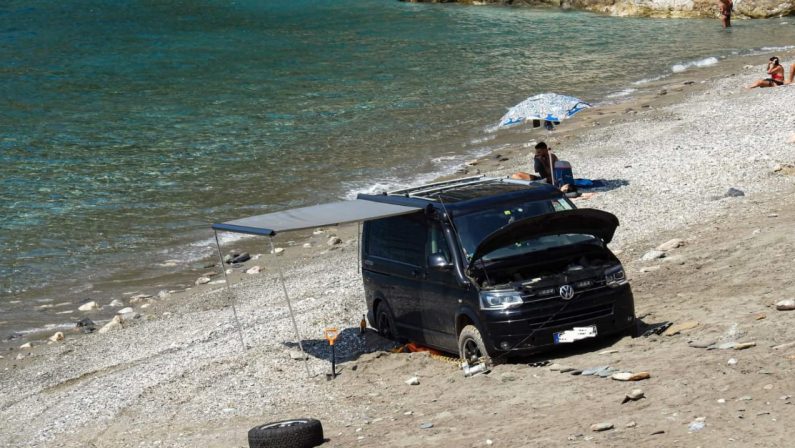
x=500, y=300
x=615, y=277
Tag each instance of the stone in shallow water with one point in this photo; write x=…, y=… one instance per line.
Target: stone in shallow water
x=88, y=306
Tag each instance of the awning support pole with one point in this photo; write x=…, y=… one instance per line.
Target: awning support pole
x=229, y=292
x=290, y=307
x=358, y=246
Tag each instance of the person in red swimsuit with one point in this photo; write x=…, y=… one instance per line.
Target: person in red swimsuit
x=776, y=72
x=726, y=7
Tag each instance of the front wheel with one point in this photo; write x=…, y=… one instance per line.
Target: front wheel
x=471, y=347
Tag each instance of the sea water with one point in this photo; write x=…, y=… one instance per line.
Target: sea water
x=128, y=127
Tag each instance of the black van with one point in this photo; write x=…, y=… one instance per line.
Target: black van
x=493, y=266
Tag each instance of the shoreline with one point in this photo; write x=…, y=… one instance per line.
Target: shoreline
x=608, y=111
x=177, y=373
x=647, y=96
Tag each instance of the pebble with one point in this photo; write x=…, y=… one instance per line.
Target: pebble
x=413, y=381
x=702, y=344
x=647, y=269
x=254, y=270
x=653, y=255
x=278, y=250
x=127, y=310
x=744, y=345
x=138, y=297
x=629, y=376
x=631, y=424
x=745, y=398
x=489, y=442
x=20, y=356
x=58, y=336
x=721, y=400
x=678, y=328
x=604, y=426
x=594, y=370
x=88, y=306
x=202, y=280
x=26, y=345
x=334, y=240
x=731, y=361
x=734, y=193
x=670, y=245
x=786, y=305
x=115, y=303
x=697, y=424
x=635, y=395
x=768, y=387
x=307, y=245
x=426, y=425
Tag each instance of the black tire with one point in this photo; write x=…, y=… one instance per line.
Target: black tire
x=385, y=322
x=297, y=433
x=471, y=347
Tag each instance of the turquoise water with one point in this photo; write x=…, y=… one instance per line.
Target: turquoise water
x=129, y=126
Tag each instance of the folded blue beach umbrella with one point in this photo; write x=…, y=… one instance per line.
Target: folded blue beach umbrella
x=545, y=107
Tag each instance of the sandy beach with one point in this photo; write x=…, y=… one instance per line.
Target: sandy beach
x=174, y=373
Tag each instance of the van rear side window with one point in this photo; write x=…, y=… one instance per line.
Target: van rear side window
x=401, y=238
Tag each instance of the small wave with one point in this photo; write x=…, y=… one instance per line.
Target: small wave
x=623, y=93
x=706, y=62
x=643, y=81
x=484, y=139
x=44, y=329
x=783, y=48
x=442, y=159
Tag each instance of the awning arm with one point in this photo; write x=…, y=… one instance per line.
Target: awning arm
x=242, y=229
x=229, y=291
x=290, y=307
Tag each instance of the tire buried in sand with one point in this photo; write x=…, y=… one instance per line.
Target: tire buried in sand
x=296, y=433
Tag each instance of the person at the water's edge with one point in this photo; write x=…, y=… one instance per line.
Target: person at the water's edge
x=726, y=7
x=776, y=72
x=543, y=162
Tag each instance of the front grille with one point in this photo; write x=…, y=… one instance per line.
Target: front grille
x=571, y=314
x=548, y=292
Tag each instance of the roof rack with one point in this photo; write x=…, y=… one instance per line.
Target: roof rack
x=438, y=187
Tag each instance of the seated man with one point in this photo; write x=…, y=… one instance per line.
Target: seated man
x=543, y=162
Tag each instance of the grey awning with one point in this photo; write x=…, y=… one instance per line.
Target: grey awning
x=314, y=216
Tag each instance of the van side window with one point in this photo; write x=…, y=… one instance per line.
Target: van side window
x=401, y=238
x=437, y=244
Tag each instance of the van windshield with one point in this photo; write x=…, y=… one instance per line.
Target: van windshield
x=475, y=227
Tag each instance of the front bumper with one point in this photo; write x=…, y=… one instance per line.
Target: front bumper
x=530, y=327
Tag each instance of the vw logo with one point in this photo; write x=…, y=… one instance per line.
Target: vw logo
x=566, y=292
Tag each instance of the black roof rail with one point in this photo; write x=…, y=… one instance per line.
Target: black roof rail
x=438, y=187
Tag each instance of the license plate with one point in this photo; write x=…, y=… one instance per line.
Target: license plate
x=575, y=334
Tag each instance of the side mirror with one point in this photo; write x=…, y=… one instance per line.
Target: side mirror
x=439, y=262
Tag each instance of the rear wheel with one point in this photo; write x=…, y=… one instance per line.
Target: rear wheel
x=385, y=321
x=471, y=347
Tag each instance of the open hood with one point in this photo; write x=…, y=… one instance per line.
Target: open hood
x=578, y=221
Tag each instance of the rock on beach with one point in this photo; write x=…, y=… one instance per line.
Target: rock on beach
x=786, y=305
x=114, y=324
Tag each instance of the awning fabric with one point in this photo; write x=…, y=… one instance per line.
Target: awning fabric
x=314, y=216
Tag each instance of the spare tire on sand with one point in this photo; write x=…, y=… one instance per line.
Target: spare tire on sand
x=296, y=433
